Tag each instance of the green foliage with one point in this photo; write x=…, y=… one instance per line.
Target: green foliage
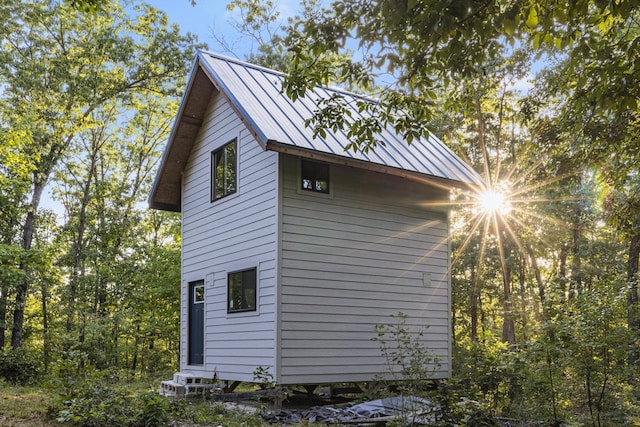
x=20, y=366
x=575, y=371
x=411, y=365
x=422, y=48
x=453, y=407
x=152, y=409
x=89, y=397
x=104, y=406
x=88, y=6
x=11, y=257
x=72, y=81
x=408, y=360
x=263, y=377
x=596, y=355
x=477, y=366
x=101, y=89
x=276, y=393
x=31, y=406
x=198, y=412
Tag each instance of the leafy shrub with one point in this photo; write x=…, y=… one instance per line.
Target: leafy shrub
x=412, y=365
x=88, y=397
x=408, y=360
x=100, y=405
x=96, y=406
x=152, y=409
x=20, y=366
x=452, y=408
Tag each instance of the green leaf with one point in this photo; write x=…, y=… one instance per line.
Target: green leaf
x=536, y=41
x=559, y=43
x=532, y=18
x=509, y=26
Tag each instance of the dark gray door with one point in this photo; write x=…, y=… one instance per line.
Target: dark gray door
x=196, y=323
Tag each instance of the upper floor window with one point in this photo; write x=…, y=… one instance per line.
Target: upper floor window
x=241, y=291
x=315, y=176
x=224, y=172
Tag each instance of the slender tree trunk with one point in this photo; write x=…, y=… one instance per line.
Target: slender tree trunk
x=523, y=303
x=576, y=264
x=4, y=290
x=576, y=283
x=18, y=312
x=633, y=316
x=538, y=276
x=27, y=239
x=75, y=272
x=40, y=179
x=563, y=254
x=79, y=243
x=474, y=297
x=136, y=344
x=44, y=293
x=508, y=325
x=541, y=291
x=4, y=298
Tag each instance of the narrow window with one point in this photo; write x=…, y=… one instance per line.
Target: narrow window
x=315, y=176
x=198, y=293
x=223, y=171
x=241, y=294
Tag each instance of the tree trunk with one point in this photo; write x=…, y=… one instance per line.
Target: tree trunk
x=508, y=325
x=633, y=317
x=474, y=298
x=523, y=297
x=79, y=243
x=75, y=272
x=575, y=285
x=136, y=344
x=541, y=291
x=46, y=355
x=4, y=290
x=27, y=239
x=562, y=269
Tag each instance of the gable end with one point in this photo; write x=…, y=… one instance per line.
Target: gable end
x=166, y=190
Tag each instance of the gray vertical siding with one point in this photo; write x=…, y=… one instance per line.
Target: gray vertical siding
x=351, y=260
x=233, y=233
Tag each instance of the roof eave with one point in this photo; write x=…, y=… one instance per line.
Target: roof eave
x=166, y=189
x=439, y=182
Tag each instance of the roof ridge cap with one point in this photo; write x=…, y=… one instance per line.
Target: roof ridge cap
x=239, y=62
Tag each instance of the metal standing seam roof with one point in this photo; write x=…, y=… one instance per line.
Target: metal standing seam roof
x=278, y=124
x=257, y=93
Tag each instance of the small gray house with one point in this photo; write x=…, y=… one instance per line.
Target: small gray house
x=294, y=249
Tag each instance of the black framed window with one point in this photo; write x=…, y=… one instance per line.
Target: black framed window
x=241, y=292
x=224, y=171
x=314, y=176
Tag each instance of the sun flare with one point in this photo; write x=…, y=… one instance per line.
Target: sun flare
x=492, y=201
